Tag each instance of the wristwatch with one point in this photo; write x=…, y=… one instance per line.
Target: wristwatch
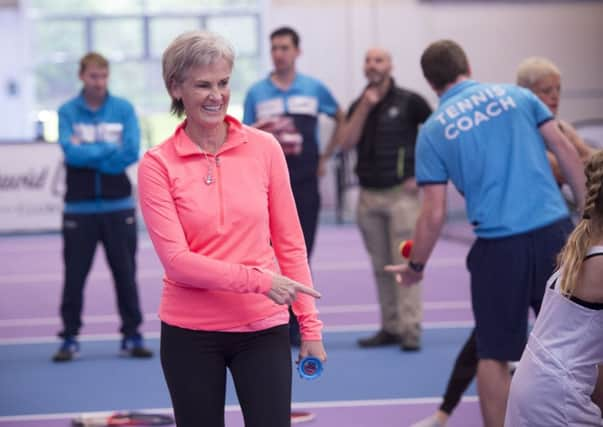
x=416, y=266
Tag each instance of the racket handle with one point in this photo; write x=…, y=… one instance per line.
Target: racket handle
x=85, y=420
x=310, y=368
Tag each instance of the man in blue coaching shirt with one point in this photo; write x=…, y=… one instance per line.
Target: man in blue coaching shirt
x=287, y=104
x=490, y=141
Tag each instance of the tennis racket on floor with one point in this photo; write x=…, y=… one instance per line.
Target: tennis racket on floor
x=123, y=419
x=298, y=417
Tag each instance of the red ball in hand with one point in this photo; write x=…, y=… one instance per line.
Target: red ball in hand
x=405, y=248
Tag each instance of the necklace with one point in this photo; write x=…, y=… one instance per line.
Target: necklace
x=209, y=178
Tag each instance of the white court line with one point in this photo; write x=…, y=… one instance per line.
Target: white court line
x=19, y=245
x=366, y=308
x=364, y=327
x=328, y=309
x=157, y=273
x=237, y=408
x=83, y=338
x=360, y=327
x=57, y=277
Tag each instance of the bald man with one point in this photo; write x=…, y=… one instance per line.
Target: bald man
x=382, y=124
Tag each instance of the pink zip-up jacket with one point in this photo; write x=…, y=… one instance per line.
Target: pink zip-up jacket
x=214, y=240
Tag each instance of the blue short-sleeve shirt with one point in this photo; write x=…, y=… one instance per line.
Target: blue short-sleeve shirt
x=303, y=102
x=485, y=138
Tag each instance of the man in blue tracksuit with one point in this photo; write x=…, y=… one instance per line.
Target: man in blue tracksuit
x=100, y=138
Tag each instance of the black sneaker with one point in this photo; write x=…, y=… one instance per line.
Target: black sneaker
x=134, y=347
x=411, y=343
x=69, y=350
x=380, y=339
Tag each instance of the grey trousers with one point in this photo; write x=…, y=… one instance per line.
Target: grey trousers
x=386, y=218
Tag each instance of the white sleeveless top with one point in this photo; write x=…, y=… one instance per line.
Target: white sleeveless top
x=558, y=369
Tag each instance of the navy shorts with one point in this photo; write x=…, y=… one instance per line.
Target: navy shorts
x=508, y=276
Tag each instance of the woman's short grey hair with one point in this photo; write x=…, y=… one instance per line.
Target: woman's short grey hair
x=189, y=50
x=532, y=69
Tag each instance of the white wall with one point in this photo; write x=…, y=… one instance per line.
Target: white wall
x=16, y=89
x=496, y=35
x=336, y=33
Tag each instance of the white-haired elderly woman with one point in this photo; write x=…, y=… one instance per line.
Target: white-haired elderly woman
x=219, y=209
x=543, y=78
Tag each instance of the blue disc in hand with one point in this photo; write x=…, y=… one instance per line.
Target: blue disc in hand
x=310, y=368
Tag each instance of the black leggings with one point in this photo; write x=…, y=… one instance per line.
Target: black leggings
x=465, y=369
x=194, y=365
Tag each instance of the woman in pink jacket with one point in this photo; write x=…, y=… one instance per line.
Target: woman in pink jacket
x=219, y=209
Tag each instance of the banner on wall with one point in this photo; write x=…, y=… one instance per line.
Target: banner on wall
x=32, y=183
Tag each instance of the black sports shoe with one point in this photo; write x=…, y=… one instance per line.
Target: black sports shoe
x=134, y=347
x=411, y=343
x=69, y=350
x=380, y=339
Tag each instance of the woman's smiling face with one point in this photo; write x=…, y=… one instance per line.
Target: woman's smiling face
x=205, y=93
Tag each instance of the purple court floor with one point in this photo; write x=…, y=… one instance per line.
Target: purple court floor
x=31, y=274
